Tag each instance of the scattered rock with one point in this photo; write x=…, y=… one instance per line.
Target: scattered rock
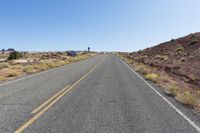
x=20, y=61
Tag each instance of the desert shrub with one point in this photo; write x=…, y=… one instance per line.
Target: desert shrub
x=163, y=79
x=41, y=66
x=2, y=78
x=61, y=53
x=75, y=59
x=129, y=61
x=14, y=55
x=194, y=41
x=141, y=68
x=67, y=61
x=151, y=76
x=179, y=48
x=172, y=90
x=60, y=63
x=198, y=93
x=172, y=40
x=18, y=66
x=4, y=65
x=29, y=69
x=187, y=98
x=140, y=51
x=13, y=73
x=51, y=64
x=160, y=57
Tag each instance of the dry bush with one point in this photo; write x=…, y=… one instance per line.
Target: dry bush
x=67, y=61
x=172, y=90
x=179, y=48
x=187, y=98
x=60, y=63
x=4, y=65
x=41, y=66
x=198, y=93
x=79, y=57
x=194, y=41
x=141, y=68
x=160, y=57
x=16, y=67
x=129, y=61
x=152, y=76
x=29, y=69
x=2, y=78
x=51, y=64
x=163, y=79
x=75, y=59
x=13, y=73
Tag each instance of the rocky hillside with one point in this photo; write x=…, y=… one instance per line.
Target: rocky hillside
x=179, y=58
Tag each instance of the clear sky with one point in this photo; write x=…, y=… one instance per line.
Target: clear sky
x=110, y=25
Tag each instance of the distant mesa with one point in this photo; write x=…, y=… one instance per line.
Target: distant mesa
x=8, y=50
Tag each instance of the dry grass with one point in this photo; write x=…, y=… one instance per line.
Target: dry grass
x=141, y=68
x=18, y=67
x=67, y=61
x=172, y=90
x=152, y=77
x=163, y=79
x=160, y=57
x=2, y=78
x=41, y=66
x=41, y=63
x=60, y=63
x=79, y=57
x=29, y=69
x=187, y=98
x=171, y=87
x=75, y=59
x=50, y=64
x=4, y=65
x=13, y=73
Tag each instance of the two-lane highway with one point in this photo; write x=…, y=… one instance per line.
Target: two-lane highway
x=97, y=95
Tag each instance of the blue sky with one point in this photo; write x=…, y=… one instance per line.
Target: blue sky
x=104, y=25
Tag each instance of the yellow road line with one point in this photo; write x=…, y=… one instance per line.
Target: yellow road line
x=48, y=101
x=22, y=128
x=35, y=117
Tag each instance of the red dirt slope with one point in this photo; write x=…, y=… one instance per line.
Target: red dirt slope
x=180, y=58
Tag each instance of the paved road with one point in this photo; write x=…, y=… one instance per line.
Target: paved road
x=103, y=96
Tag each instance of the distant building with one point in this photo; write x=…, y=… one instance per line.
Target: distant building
x=88, y=49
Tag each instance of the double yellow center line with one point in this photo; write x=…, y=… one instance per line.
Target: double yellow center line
x=50, y=102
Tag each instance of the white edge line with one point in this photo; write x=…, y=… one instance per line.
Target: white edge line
x=165, y=99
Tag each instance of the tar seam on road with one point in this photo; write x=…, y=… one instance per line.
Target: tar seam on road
x=35, y=117
x=165, y=99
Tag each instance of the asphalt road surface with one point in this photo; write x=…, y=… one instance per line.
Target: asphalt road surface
x=98, y=95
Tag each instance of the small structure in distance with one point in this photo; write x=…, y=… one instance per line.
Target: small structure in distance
x=71, y=53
